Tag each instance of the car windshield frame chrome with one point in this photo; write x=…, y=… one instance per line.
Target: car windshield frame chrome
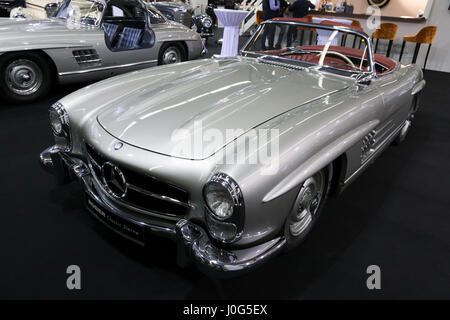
x=100, y=20
x=150, y=7
x=370, y=55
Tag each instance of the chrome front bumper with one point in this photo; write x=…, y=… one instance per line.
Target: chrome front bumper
x=193, y=243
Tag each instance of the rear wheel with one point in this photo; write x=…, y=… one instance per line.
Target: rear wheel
x=25, y=77
x=307, y=207
x=171, y=53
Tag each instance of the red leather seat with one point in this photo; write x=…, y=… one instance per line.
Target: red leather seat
x=386, y=63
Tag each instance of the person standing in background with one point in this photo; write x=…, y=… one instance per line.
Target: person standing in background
x=270, y=11
x=19, y=3
x=283, y=8
x=299, y=9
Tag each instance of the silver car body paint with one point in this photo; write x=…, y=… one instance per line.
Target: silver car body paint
x=322, y=117
x=326, y=118
x=55, y=38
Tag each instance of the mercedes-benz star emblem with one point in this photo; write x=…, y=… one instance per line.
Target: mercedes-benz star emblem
x=118, y=145
x=114, y=180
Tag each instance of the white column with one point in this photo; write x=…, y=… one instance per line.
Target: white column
x=230, y=19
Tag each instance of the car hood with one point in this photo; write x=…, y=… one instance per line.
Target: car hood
x=17, y=34
x=219, y=94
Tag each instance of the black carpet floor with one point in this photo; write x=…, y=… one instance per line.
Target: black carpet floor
x=396, y=216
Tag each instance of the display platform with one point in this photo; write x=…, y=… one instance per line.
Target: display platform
x=394, y=216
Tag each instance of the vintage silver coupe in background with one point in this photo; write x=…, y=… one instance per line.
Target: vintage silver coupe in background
x=36, y=9
x=88, y=40
x=183, y=13
x=335, y=109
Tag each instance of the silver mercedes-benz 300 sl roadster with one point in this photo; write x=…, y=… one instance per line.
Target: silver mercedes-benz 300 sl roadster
x=88, y=40
x=233, y=158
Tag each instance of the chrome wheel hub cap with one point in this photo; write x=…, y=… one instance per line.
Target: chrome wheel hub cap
x=171, y=56
x=23, y=77
x=307, y=204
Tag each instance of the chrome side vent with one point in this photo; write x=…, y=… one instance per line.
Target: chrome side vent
x=368, y=145
x=185, y=18
x=87, y=58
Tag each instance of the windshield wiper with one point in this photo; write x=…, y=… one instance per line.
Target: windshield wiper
x=296, y=51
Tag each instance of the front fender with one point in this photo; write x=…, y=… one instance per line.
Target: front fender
x=320, y=160
x=310, y=137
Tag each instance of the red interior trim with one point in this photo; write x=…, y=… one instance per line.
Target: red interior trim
x=291, y=19
x=325, y=22
x=337, y=24
x=379, y=59
x=389, y=64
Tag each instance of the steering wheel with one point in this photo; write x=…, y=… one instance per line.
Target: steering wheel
x=343, y=57
x=88, y=20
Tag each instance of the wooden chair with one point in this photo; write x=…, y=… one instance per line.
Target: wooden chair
x=303, y=29
x=259, y=17
x=356, y=23
x=387, y=31
x=425, y=36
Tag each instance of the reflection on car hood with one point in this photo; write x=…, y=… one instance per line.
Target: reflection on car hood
x=220, y=94
x=27, y=25
x=15, y=34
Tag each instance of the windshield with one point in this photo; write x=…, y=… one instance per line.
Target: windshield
x=156, y=17
x=344, y=52
x=81, y=11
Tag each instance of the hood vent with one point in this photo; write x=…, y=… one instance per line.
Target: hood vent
x=87, y=58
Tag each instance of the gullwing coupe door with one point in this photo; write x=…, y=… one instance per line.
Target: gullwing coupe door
x=128, y=34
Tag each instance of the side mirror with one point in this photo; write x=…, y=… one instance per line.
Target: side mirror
x=51, y=9
x=364, y=78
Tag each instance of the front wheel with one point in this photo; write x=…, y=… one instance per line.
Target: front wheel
x=307, y=207
x=25, y=77
x=171, y=53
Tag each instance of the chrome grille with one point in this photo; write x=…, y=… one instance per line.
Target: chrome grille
x=186, y=18
x=87, y=58
x=368, y=144
x=144, y=192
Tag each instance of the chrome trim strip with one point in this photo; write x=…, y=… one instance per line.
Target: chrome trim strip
x=143, y=191
x=157, y=196
x=130, y=206
x=348, y=30
x=89, y=61
x=94, y=162
x=62, y=74
x=376, y=152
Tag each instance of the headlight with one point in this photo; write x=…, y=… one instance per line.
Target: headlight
x=55, y=121
x=59, y=122
x=225, y=208
x=207, y=22
x=219, y=201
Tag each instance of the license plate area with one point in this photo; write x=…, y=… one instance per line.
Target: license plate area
x=126, y=228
